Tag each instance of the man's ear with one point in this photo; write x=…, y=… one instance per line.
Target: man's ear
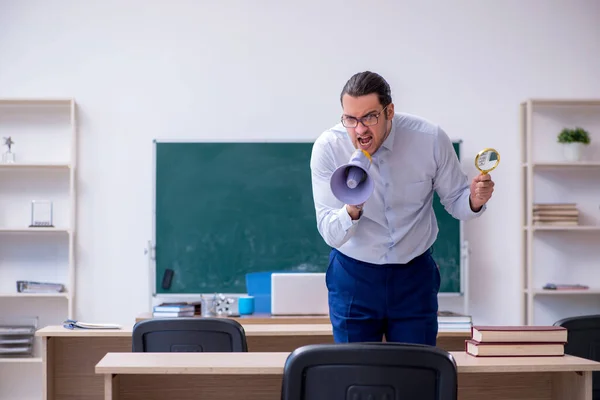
x=389, y=111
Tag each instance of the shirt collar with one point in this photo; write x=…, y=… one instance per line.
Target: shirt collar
x=388, y=143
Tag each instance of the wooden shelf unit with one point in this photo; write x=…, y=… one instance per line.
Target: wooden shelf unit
x=44, y=132
x=560, y=254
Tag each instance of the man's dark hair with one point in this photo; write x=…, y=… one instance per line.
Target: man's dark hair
x=367, y=82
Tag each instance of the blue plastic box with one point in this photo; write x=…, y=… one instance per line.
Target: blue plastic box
x=258, y=285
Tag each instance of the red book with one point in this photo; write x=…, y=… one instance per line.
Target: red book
x=513, y=349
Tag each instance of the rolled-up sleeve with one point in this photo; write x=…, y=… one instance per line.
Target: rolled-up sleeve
x=333, y=221
x=450, y=182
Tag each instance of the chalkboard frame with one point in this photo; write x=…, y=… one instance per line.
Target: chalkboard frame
x=463, y=246
x=151, y=247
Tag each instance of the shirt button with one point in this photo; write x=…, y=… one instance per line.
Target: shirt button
x=387, y=184
x=388, y=208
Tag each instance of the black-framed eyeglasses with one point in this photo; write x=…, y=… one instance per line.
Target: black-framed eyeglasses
x=367, y=120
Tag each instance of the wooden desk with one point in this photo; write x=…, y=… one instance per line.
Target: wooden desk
x=256, y=319
x=69, y=356
x=216, y=376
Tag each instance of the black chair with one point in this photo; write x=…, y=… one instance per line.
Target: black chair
x=360, y=371
x=583, y=340
x=165, y=335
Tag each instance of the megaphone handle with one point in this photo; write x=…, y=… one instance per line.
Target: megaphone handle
x=355, y=176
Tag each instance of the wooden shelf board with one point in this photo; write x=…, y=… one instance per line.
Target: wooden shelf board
x=564, y=164
x=35, y=101
x=544, y=292
x=30, y=360
x=34, y=230
x=563, y=102
x=16, y=294
x=35, y=165
x=589, y=228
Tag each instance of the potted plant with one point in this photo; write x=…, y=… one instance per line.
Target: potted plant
x=573, y=141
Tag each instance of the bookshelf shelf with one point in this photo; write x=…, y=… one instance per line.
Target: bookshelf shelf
x=591, y=102
x=579, y=228
x=38, y=101
x=552, y=165
x=44, y=135
x=27, y=360
x=38, y=295
x=560, y=210
x=34, y=166
x=543, y=292
x=34, y=230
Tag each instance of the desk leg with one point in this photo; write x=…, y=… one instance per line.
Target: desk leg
x=48, y=368
x=572, y=386
x=451, y=343
x=111, y=387
x=74, y=363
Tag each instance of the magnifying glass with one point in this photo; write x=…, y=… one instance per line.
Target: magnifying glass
x=487, y=160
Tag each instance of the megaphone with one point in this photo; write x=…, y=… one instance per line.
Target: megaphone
x=351, y=183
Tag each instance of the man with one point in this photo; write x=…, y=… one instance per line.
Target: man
x=382, y=279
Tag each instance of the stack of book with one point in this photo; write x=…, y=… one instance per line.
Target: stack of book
x=173, y=310
x=16, y=340
x=517, y=341
x=555, y=214
x=449, y=321
x=565, y=286
x=39, y=287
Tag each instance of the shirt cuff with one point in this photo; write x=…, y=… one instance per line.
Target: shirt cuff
x=470, y=210
x=345, y=219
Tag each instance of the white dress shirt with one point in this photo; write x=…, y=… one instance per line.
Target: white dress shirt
x=397, y=222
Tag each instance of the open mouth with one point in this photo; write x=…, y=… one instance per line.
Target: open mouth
x=365, y=141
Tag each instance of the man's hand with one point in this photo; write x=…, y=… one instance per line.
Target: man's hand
x=482, y=187
x=354, y=211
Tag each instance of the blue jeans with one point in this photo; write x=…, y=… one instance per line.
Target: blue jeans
x=368, y=301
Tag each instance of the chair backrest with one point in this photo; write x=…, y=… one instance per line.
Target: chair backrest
x=165, y=335
x=369, y=371
x=583, y=340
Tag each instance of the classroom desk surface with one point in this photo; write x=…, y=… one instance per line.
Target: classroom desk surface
x=272, y=363
x=70, y=355
x=60, y=331
x=264, y=319
x=196, y=375
x=251, y=331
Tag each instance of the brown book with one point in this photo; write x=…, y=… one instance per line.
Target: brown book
x=571, y=213
x=519, y=334
x=515, y=349
x=554, y=206
x=555, y=217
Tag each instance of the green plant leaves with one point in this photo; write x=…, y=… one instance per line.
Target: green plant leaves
x=572, y=135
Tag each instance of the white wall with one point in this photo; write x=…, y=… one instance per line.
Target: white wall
x=141, y=70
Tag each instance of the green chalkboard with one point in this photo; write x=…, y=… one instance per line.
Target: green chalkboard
x=447, y=248
x=228, y=208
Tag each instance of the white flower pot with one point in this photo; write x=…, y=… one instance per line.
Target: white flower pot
x=573, y=151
